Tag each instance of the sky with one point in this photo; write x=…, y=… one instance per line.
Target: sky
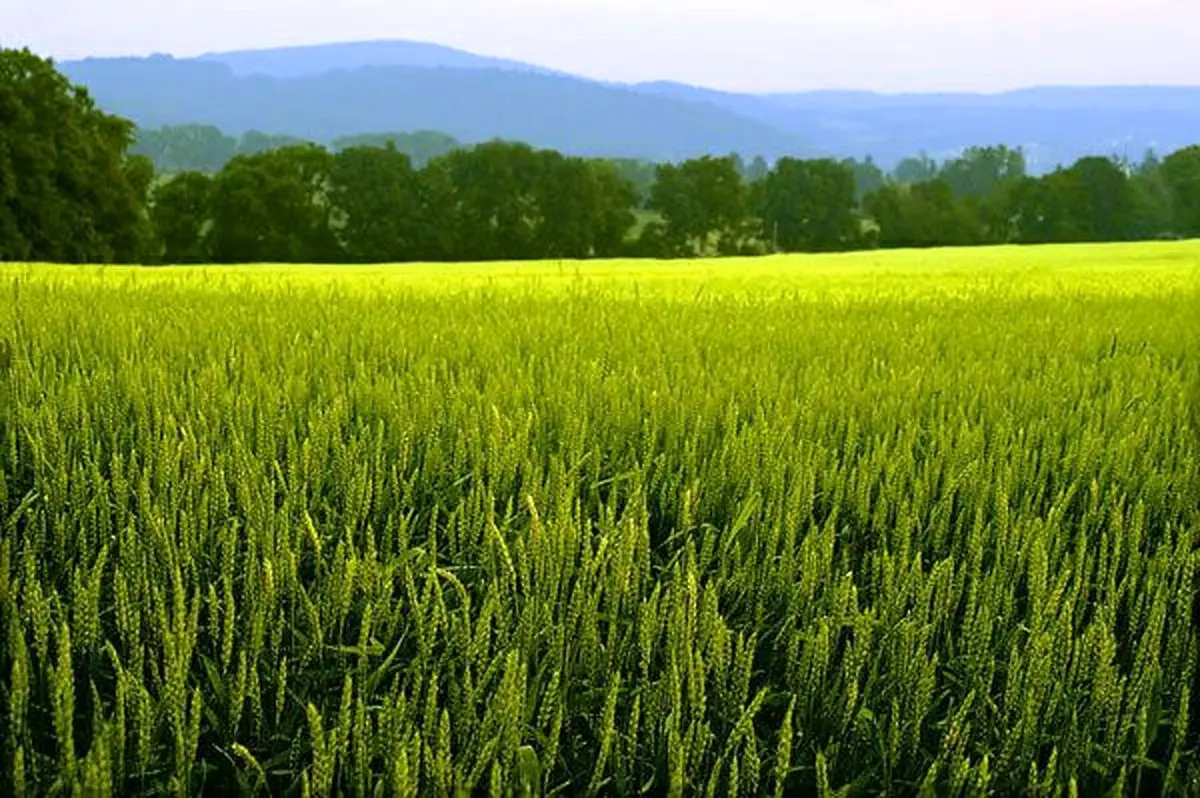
x=745, y=45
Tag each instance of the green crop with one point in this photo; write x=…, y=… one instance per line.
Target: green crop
x=851, y=525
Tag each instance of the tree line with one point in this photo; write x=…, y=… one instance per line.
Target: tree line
x=77, y=184
x=206, y=148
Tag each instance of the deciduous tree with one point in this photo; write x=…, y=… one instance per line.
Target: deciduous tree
x=378, y=217
x=274, y=206
x=180, y=210
x=1181, y=172
x=809, y=206
x=699, y=199
x=68, y=192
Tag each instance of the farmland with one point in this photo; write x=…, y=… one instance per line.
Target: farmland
x=873, y=522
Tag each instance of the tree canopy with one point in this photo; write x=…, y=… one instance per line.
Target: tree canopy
x=79, y=185
x=68, y=191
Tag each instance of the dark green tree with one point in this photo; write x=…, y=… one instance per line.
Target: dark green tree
x=274, y=206
x=585, y=208
x=127, y=216
x=613, y=209
x=378, y=216
x=1181, y=173
x=809, y=206
x=698, y=200
x=502, y=200
x=565, y=198
x=442, y=240
x=495, y=213
x=1102, y=202
x=1040, y=210
x=1153, y=199
x=68, y=191
x=1092, y=200
x=180, y=210
x=921, y=215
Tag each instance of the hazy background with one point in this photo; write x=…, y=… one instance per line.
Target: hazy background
x=749, y=45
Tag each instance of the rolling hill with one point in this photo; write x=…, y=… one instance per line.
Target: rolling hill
x=470, y=103
x=329, y=91
x=1055, y=125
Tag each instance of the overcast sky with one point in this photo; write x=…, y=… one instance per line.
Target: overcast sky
x=766, y=45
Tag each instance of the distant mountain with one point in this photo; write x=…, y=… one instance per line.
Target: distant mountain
x=1130, y=98
x=307, y=61
x=330, y=91
x=569, y=114
x=1055, y=125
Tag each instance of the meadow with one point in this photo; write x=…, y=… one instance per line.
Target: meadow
x=879, y=523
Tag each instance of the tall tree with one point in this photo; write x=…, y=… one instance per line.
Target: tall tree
x=984, y=178
x=274, y=206
x=1153, y=200
x=1102, y=203
x=443, y=239
x=127, y=216
x=495, y=212
x=67, y=190
x=1092, y=200
x=502, y=200
x=180, y=210
x=922, y=215
x=699, y=199
x=1181, y=172
x=613, y=209
x=586, y=208
x=809, y=206
x=564, y=197
x=376, y=200
x=1040, y=209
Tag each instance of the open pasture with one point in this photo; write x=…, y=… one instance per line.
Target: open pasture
x=878, y=522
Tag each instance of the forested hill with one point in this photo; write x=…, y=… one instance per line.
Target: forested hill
x=325, y=92
x=205, y=148
x=1053, y=125
x=572, y=115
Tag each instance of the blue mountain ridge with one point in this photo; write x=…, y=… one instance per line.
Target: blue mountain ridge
x=321, y=92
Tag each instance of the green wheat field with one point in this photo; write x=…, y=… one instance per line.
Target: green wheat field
x=880, y=523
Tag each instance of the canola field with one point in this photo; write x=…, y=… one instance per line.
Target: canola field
x=881, y=523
